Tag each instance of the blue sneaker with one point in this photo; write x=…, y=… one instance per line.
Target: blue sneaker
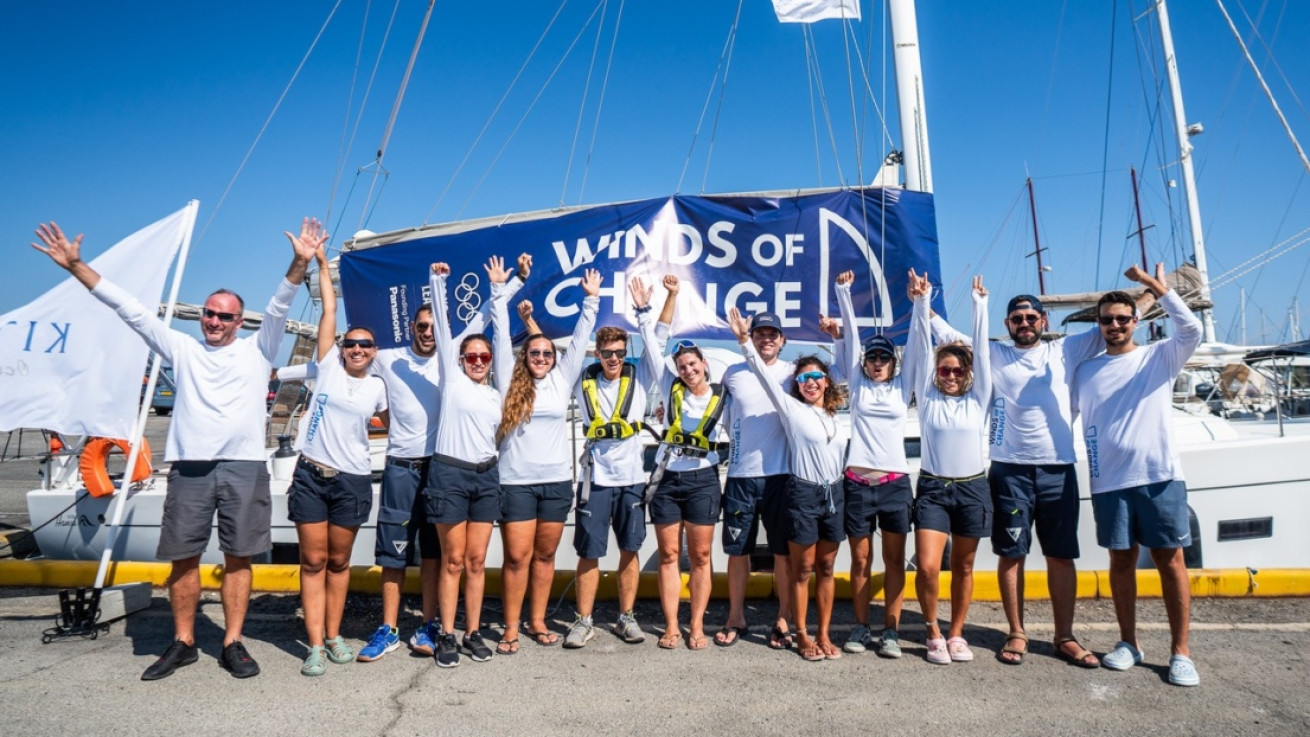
x=424, y=640
x=385, y=640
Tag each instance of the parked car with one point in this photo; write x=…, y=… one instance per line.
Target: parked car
x=165, y=388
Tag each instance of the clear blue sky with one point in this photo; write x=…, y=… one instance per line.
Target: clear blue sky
x=118, y=114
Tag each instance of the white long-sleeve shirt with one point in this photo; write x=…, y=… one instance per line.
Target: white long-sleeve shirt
x=538, y=451
x=221, y=402
x=693, y=410
x=878, y=408
x=334, y=428
x=470, y=412
x=755, y=432
x=815, y=451
x=1126, y=400
x=954, y=429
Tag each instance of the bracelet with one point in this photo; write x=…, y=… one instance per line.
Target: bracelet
x=641, y=310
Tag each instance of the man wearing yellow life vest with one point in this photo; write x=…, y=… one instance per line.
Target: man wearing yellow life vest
x=612, y=394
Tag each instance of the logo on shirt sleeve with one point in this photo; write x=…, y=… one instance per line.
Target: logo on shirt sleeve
x=998, y=422
x=1093, y=458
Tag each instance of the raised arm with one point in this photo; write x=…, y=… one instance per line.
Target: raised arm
x=982, y=352
x=918, y=365
x=741, y=327
x=312, y=237
x=1187, y=328
x=525, y=314
x=570, y=366
x=482, y=317
x=441, y=322
x=847, y=353
x=653, y=343
x=503, y=354
x=66, y=254
x=327, y=321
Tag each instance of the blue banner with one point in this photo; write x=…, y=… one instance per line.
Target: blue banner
x=780, y=254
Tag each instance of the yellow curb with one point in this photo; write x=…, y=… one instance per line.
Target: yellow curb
x=1205, y=583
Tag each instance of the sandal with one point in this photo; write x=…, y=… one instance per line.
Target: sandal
x=937, y=654
x=670, y=639
x=507, y=647
x=729, y=636
x=545, y=638
x=697, y=642
x=1016, y=652
x=315, y=662
x=338, y=651
x=811, y=652
x=958, y=647
x=1084, y=658
x=780, y=639
x=830, y=651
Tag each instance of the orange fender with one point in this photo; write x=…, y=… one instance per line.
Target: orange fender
x=95, y=474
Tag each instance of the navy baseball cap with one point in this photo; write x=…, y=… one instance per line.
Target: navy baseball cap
x=879, y=343
x=1017, y=303
x=766, y=320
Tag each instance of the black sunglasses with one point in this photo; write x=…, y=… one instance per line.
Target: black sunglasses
x=608, y=353
x=878, y=357
x=539, y=353
x=222, y=316
x=1025, y=319
x=358, y=343
x=1120, y=320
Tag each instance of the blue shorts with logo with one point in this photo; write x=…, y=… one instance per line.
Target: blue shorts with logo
x=1026, y=494
x=404, y=533
x=748, y=502
x=880, y=506
x=620, y=508
x=687, y=496
x=1154, y=515
x=815, y=512
x=962, y=507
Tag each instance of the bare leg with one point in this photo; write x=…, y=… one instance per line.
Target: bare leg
x=825, y=564
x=1010, y=576
x=629, y=576
x=963, y=550
x=802, y=565
x=739, y=571
x=587, y=583
x=669, y=537
x=700, y=538
x=861, y=564
x=392, y=580
x=313, y=577
x=517, y=538
x=782, y=587
x=340, y=542
x=475, y=573
x=929, y=545
x=429, y=572
x=184, y=597
x=1123, y=588
x=453, y=543
x=1176, y=587
x=893, y=591
x=543, y=570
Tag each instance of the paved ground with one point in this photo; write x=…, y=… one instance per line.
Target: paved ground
x=1251, y=655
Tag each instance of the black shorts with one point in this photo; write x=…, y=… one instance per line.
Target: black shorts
x=746, y=503
x=961, y=508
x=453, y=495
x=545, y=502
x=815, y=512
x=620, y=508
x=343, y=499
x=687, y=496
x=885, y=507
x=1023, y=495
x=404, y=533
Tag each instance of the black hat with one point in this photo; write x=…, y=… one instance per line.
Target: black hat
x=766, y=320
x=879, y=343
x=1018, y=301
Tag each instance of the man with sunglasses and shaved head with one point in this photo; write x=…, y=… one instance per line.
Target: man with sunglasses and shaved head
x=215, y=441
x=1125, y=397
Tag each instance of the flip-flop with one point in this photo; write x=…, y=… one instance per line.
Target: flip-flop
x=780, y=639
x=670, y=640
x=697, y=642
x=1019, y=652
x=507, y=647
x=1084, y=658
x=830, y=651
x=729, y=636
x=811, y=653
x=545, y=639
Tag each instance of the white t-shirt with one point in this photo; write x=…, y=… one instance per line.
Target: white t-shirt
x=1031, y=415
x=693, y=410
x=221, y=401
x=878, y=408
x=334, y=428
x=470, y=412
x=953, y=429
x=815, y=450
x=1126, y=401
x=539, y=450
x=758, y=442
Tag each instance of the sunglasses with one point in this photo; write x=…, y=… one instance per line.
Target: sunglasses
x=1025, y=319
x=608, y=353
x=878, y=357
x=685, y=345
x=422, y=327
x=810, y=376
x=949, y=371
x=476, y=358
x=539, y=353
x=1119, y=320
x=358, y=343
x=222, y=316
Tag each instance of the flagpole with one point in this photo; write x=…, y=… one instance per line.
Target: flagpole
x=119, y=502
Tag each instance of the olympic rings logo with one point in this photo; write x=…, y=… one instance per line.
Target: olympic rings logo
x=467, y=299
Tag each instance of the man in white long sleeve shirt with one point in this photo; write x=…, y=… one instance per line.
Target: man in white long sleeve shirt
x=215, y=441
x=1125, y=397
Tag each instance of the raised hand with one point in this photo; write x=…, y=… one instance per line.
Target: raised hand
x=496, y=271
x=62, y=251
x=846, y=277
x=671, y=285
x=312, y=238
x=591, y=283
x=640, y=292
x=525, y=266
x=918, y=286
x=978, y=287
x=525, y=310
x=830, y=326
x=741, y=326
x=441, y=268
x=1156, y=284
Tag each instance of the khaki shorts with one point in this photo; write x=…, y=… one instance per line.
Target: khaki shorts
x=236, y=490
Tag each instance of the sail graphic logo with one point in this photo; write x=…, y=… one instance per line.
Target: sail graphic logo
x=320, y=402
x=998, y=422
x=1093, y=457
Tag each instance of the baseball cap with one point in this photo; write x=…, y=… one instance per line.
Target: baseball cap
x=879, y=343
x=766, y=320
x=1017, y=302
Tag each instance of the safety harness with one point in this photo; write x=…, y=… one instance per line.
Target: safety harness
x=678, y=442
x=615, y=427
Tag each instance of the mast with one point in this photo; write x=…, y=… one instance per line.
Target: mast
x=1183, y=131
x=1141, y=229
x=909, y=95
x=1037, y=241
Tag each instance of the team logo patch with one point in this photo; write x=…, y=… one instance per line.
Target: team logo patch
x=1015, y=532
x=735, y=532
x=400, y=546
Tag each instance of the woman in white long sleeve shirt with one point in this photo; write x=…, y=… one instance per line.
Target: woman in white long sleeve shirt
x=536, y=473
x=331, y=491
x=953, y=499
x=877, y=480
x=814, y=495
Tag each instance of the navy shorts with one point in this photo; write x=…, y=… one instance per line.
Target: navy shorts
x=1026, y=494
x=687, y=496
x=815, y=512
x=620, y=508
x=403, y=532
x=747, y=502
x=237, y=490
x=961, y=508
x=453, y=495
x=343, y=500
x=545, y=502
x=883, y=507
x=1154, y=515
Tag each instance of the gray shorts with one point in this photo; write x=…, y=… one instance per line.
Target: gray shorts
x=237, y=490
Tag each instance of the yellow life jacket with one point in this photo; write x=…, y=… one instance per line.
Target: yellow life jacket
x=695, y=442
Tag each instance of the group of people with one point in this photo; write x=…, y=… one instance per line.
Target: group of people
x=469, y=447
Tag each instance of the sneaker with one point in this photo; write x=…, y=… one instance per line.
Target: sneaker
x=859, y=640
x=628, y=630
x=477, y=648
x=386, y=639
x=447, y=652
x=338, y=651
x=315, y=662
x=1182, y=671
x=1122, y=657
x=889, y=644
x=579, y=633
x=177, y=655
x=424, y=641
x=238, y=661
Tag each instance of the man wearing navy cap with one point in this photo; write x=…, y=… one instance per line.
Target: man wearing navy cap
x=1032, y=471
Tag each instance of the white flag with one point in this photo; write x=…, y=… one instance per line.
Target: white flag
x=808, y=11
x=68, y=363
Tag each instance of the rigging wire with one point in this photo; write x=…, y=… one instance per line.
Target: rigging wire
x=582, y=107
x=345, y=119
x=1270, y=58
x=600, y=103
x=814, y=123
x=276, y=106
x=718, y=109
x=1105, y=143
x=494, y=112
x=812, y=57
x=1050, y=85
x=709, y=95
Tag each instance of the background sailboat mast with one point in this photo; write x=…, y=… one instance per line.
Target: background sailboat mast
x=1189, y=176
x=909, y=95
x=1037, y=240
